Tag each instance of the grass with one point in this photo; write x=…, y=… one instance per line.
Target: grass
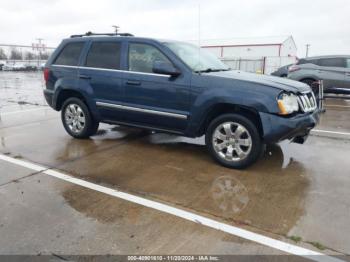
x=317, y=245
x=296, y=239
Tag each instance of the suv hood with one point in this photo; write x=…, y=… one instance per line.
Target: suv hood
x=272, y=81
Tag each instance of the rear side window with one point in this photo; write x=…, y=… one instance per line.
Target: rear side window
x=332, y=62
x=104, y=55
x=70, y=54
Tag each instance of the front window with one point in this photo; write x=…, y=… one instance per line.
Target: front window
x=332, y=62
x=196, y=58
x=348, y=62
x=143, y=56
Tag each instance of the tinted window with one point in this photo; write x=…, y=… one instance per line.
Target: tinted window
x=308, y=61
x=142, y=57
x=104, y=55
x=332, y=62
x=348, y=62
x=70, y=54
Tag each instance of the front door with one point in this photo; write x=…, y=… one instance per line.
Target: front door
x=154, y=100
x=347, y=75
x=332, y=71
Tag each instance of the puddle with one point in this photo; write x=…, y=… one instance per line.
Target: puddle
x=269, y=196
x=21, y=88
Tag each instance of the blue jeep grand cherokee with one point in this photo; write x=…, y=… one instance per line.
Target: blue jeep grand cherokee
x=174, y=87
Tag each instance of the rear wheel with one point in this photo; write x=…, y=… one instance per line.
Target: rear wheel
x=77, y=120
x=233, y=141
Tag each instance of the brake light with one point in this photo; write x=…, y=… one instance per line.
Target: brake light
x=293, y=68
x=46, y=74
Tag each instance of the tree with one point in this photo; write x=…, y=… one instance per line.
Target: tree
x=29, y=56
x=45, y=55
x=15, y=54
x=3, y=56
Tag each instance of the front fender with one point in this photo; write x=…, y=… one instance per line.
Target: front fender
x=250, y=99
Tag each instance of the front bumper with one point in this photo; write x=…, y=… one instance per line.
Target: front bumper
x=277, y=128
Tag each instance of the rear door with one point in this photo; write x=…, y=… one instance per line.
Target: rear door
x=101, y=74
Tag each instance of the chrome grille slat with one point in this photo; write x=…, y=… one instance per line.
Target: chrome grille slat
x=307, y=102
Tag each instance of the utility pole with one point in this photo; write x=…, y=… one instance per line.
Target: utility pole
x=307, y=50
x=40, y=47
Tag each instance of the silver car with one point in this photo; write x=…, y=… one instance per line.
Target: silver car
x=334, y=70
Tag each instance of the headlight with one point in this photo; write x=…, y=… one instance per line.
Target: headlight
x=287, y=103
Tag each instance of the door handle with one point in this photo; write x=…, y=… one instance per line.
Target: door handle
x=133, y=83
x=84, y=77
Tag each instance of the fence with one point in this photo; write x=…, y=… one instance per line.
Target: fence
x=260, y=65
x=23, y=54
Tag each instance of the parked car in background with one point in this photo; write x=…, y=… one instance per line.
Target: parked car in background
x=334, y=70
x=1, y=65
x=282, y=71
x=170, y=86
x=13, y=67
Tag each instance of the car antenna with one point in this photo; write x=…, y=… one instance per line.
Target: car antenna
x=116, y=28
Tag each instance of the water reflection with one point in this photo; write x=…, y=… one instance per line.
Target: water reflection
x=229, y=194
x=270, y=194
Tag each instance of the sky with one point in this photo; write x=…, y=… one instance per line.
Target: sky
x=324, y=24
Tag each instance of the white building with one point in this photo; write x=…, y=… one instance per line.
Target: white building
x=261, y=55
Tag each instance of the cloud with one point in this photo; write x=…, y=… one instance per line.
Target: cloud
x=323, y=24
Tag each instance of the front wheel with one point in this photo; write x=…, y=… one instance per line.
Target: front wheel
x=77, y=120
x=313, y=85
x=233, y=141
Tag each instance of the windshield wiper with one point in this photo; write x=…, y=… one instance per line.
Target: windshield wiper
x=209, y=70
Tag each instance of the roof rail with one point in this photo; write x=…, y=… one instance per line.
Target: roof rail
x=102, y=34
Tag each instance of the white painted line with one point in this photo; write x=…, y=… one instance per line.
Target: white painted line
x=335, y=106
x=236, y=231
x=330, y=132
x=22, y=111
x=22, y=163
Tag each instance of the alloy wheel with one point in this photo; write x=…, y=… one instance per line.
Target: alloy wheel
x=232, y=141
x=75, y=118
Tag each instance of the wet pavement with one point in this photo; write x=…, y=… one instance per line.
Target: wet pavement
x=294, y=192
x=38, y=218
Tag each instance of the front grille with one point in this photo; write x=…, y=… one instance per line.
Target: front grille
x=307, y=102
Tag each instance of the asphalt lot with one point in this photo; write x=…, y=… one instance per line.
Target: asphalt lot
x=297, y=194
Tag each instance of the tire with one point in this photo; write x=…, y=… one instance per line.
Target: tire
x=77, y=119
x=222, y=137
x=309, y=82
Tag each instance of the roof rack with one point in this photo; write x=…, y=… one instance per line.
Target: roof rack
x=102, y=34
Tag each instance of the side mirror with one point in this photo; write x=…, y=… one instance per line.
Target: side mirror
x=165, y=68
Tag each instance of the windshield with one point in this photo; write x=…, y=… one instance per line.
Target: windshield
x=196, y=58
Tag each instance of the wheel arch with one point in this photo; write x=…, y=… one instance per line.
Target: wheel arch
x=224, y=108
x=66, y=93
x=308, y=78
